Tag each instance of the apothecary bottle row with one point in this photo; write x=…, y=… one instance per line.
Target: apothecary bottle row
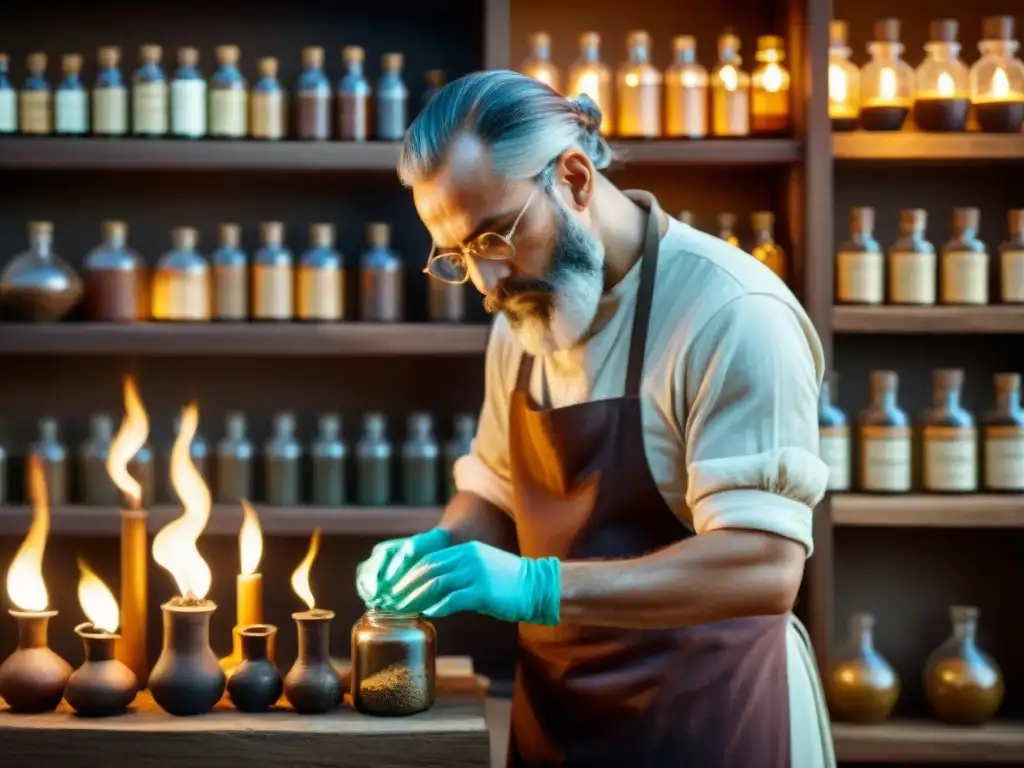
x=760, y=243
x=913, y=273
x=186, y=106
x=324, y=472
x=639, y=101
x=942, y=94
x=944, y=450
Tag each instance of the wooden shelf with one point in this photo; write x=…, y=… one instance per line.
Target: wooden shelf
x=928, y=147
x=950, y=320
x=921, y=741
x=225, y=520
x=929, y=510
x=296, y=339
x=707, y=152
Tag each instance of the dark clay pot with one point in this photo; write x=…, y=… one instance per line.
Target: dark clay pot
x=187, y=680
x=312, y=686
x=33, y=678
x=256, y=684
x=102, y=686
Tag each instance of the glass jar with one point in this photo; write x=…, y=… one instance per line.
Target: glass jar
x=37, y=285
x=769, y=103
x=381, y=280
x=181, y=281
x=1011, y=260
x=230, y=275
x=273, y=289
x=942, y=100
x=420, y=457
x=730, y=90
x=1003, y=438
x=593, y=77
x=392, y=99
x=71, y=100
x=228, y=108
x=886, y=82
x=963, y=685
x=833, y=436
x=963, y=269
x=52, y=456
x=268, y=117
x=639, y=86
x=912, y=262
x=109, y=96
x=282, y=456
x=35, y=102
x=188, y=97
x=353, y=96
x=862, y=685
x=314, y=96
x=394, y=659
x=320, y=282
x=115, y=279
x=234, y=462
x=537, y=63
x=150, y=109
x=373, y=463
x=843, y=80
x=949, y=443
x=686, y=92
x=997, y=79
x=860, y=266
x=885, y=444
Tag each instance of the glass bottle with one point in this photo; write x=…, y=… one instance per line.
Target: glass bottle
x=394, y=663
x=963, y=684
x=71, y=102
x=687, y=218
x=727, y=229
x=8, y=99
x=109, y=95
x=538, y=64
x=234, y=462
x=380, y=278
x=149, y=94
x=141, y=467
x=314, y=96
x=436, y=79
x=860, y=266
x=392, y=99
x=115, y=279
x=420, y=455
x=765, y=249
x=97, y=488
x=639, y=86
x=833, y=436
x=942, y=100
x=769, y=94
x=460, y=444
x=1003, y=438
x=912, y=262
x=589, y=75
x=37, y=285
x=964, y=264
x=373, y=463
x=283, y=456
x=886, y=82
x=843, y=80
x=269, y=105
x=181, y=281
x=686, y=92
x=862, y=685
x=321, y=278
x=230, y=275
x=188, y=97
x=1011, y=260
x=198, y=451
x=730, y=90
x=228, y=98
x=353, y=97
x=949, y=440
x=52, y=458
x=35, y=107
x=997, y=78
x=885, y=449
x=329, y=460
x=272, y=279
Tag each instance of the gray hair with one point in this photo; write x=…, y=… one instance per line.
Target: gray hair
x=524, y=123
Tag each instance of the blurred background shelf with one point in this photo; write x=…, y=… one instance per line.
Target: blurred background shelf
x=955, y=320
x=919, y=741
x=929, y=510
x=936, y=147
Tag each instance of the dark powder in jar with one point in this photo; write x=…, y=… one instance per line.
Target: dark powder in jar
x=395, y=690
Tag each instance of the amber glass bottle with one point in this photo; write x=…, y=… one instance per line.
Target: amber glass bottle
x=764, y=247
x=862, y=685
x=963, y=685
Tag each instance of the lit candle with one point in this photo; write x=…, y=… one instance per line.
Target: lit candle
x=997, y=78
x=249, y=587
x=887, y=82
x=843, y=80
x=941, y=102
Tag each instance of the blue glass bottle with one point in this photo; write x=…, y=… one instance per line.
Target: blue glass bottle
x=1003, y=455
x=8, y=99
x=188, y=97
x=229, y=116
x=71, y=102
x=36, y=102
x=109, y=95
x=949, y=454
x=353, y=97
x=833, y=437
x=885, y=440
x=314, y=96
x=320, y=283
x=230, y=276
x=380, y=278
x=268, y=114
x=392, y=99
x=149, y=94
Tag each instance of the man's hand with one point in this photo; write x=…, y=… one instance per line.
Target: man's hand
x=390, y=560
x=481, y=578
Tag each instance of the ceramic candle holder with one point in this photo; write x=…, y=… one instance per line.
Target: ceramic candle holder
x=312, y=686
x=102, y=686
x=187, y=680
x=33, y=678
x=256, y=684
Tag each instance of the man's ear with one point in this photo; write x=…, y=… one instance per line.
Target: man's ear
x=576, y=174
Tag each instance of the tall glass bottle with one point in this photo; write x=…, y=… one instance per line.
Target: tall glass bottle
x=589, y=75
x=230, y=275
x=380, y=278
x=886, y=82
x=181, y=281
x=373, y=463
x=997, y=78
x=52, y=456
x=963, y=684
x=96, y=486
x=885, y=440
x=109, y=95
x=436, y=80
x=769, y=91
x=35, y=105
x=392, y=99
x=949, y=441
x=353, y=97
x=862, y=685
x=964, y=262
x=730, y=90
x=329, y=460
x=727, y=229
x=188, y=97
x=639, y=86
x=283, y=457
x=460, y=444
x=833, y=437
x=273, y=289
x=860, y=266
x=37, y=285
x=313, y=96
x=234, y=462
x=686, y=92
x=229, y=112
x=1011, y=260
x=268, y=105
x=1003, y=438
x=420, y=454
x=149, y=94
x=764, y=247
x=8, y=98
x=912, y=262
x=321, y=278
x=71, y=102
x=942, y=100
x=538, y=64
x=843, y=80
x=115, y=279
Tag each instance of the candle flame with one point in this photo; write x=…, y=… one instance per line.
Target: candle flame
x=772, y=80
x=945, y=85
x=1000, y=87
x=97, y=600
x=174, y=547
x=300, y=578
x=250, y=539
x=25, y=586
x=837, y=89
x=130, y=438
x=730, y=77
x=887, y=84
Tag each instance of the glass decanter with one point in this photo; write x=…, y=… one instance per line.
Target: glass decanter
x=843, y=80
x=862, y=687
x=997, y=79
x=39, y=286
x=963, y=685
x=886, y=82
x=942, y=80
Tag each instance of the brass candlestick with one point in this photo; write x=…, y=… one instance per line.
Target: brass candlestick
x=33, y=678
x=102, y=686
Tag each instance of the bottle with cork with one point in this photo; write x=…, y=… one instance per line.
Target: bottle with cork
x=964, y=263
x=150, y=107
x=269, y=105
x=230, y=275
x=313, y=97
x=181, y=281
x=942, y=100
x=392, y=99
x=730, y=90
x=949, y=442
x=273, y=285
x=537, y=63
x=71, y=102
x=228, y=96
x=686, y=92
x=860, y=266
x=593, y=77
x=283, y=455
x=764, y=248
x=8, y=99
x=329, y=459
x=997, y=78
x=115, y=279
x=234, y=461
x=885, y=439
x=1003, y=438
x=886, y=81
x=381, y=278
x=833, y=436
x=912, y=262
x=1011, y=260
x=420, y=462
x=321, y=278
x=727, y=228
x=109, y=95
x=52, y=456
x=843, y=80
x=436, y=79
x=373, y=462
x=769, y=89
x=97, y=488
x=188, y=97
x=35, y=102
x=353, y=96
x=460, y=444
x=639, y=90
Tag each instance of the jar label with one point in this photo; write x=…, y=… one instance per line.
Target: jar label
x=8, y=111
x=188, y=108
x=1004, y=458
x=35, y=112
x=640, y=111
x=230, y=293
x=149, y=108
x=885, y=459
x=228, y=112
x=964, y=277
x=110, y=111
x=731, y=112
x=686, y=112
x=950, y=459
x=268, y=115
x=181, y=296
x=1012, y=277
x=321, y=293
x=912, y=277
x=861, y=277
x=71, y=112
x=834, y=450
x=272, y=292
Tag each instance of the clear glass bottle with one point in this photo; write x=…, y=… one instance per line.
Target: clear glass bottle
x=843, y=80
x=769, y=89
x=230, y=275
x=833, y=436
x=71, y=101
x=353, y=97
x=394, y=663
x=329, y=460
x=181, y=281
x=188, y=97
x=53, y=460
x=321, y=278
x=886, y=81
x=150, y=108
x=949, y=441
x=964, y=263
x=273, y=289
x=8, y=100
x=538, y=64
x=380, y=278
x=373, y=463
x=639, y=87
x=460, y=444
x=283, y=459
x=392, y=99
x=997, y=78
x=115, y=279
x=234, y=462
x=1003, y=438
x=35, y=103
x=885, y=439
x=589, y=75
x=314, y=96
x=764, y=248
x=109, y=95
x=943, y=99
x=436, y=79
x=730, y=90
x=912, y=262
x=1011, y=260
x=686, y=92
x=862, y=687
x=420, y=459
x=229, y=112
x=727, y=229
x=687, y=218
x=269, y=106
x=37, y=285
x=963, y=684
x=98, y=490
x=860, y=265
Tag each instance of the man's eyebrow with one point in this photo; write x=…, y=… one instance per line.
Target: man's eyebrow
x=487, y=224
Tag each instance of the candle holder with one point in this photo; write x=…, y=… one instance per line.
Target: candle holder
x=313, y=686
x=997, y=78
x=256, y=684
x=33, y=678
x=943, y=99
x=102, y=686
x=187, y=680
x=886, y=82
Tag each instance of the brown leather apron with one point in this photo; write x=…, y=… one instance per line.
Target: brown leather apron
x=708, y=696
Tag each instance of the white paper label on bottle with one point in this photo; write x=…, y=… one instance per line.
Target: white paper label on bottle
x=912, y=278
x=267, y=115
x=188, y=108
x=149, y=109
x=8, y=111
x=35, y=112
x=885, y=459
x=1012, y=277
x=320, y=293
x=950, y=459
x=231, y=292
x=964, y=277
x=1004, y=458
x=185, y=296
x=686, y=112
x=110, y=111
x=71, y=112
x=272, y=293
x=732, y=112
x=834, y=450
x=860, y=278
x=228, y=112
x=640, y=111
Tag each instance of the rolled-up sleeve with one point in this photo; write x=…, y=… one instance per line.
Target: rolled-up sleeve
x=747, y=393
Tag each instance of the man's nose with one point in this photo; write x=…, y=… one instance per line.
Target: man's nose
x=487, y=274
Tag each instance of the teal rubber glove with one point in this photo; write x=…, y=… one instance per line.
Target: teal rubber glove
x=481, y=578
x=390, y=560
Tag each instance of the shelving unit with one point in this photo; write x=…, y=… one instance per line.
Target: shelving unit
x=931, y=320
x=911, y=147
x=928, y=511
x=915, y=742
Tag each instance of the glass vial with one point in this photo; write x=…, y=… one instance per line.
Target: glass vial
x=392, y=99
x=538, y=64
x=373, y=463
x=942, y=100
x=639, y=86
x=997, y=78
x=71, y=102
x=420, y=459
x=230, y=275
x=149, y=94
x=589, y=75
x=269, y=105
x=272, y=281
x=949, y=441
x=764, y=247
x=843, y=80
x=8, y=102
x=1011, y=260
x=436, y=79
x=98, y=490
x=228, y=98
x=35, y=107
x=884, y=438
x=964, y=264
x=460, y=444
x=109, y=95
x=833, y=437
x=686, y=92
x=234, y=462
x=329, y=459
x=283, y=457
x=446, y=302
x=115, y=279
x=727, y=229
x=769, y=89
x=912, y=262
x=1003, y=435
x=860, y=266
x=313, y=96
x=886, y=81
x=380, y=278
x=321, y=278
x=188, y=97
x=353, y=97
x=181, y=282
x=730, y=90
x=52, y=457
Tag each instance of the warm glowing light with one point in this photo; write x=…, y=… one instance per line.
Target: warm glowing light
x=691, y=79
x=1000, y=87
x=632, y=79
x=588, y=83
x=837, y=89
x=772, y=80
x=131, y=436
x=250, y=540
x=25, y=585
x=545, y=77
x=887, y=84
x=300, y=578
x=97, y=600
x=174, y=547
x=730, y=77
x=946, y=86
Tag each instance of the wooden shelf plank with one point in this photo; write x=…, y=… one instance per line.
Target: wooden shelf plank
x=933, y=147
x=953, y=320
x=707, y=152
x=297, y=339
x=919, y=741
x=929, y=510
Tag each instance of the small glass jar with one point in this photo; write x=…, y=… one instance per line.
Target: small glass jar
x=843, y=80
x=949, y=442
x=394, y=657
x=380, y=278
x=268, y=106
x=538, y=64
x=35, y=107
x=833, y=436
x=37, y=285
x=188, y=97
x=964, y=262
x=962, y=683
x=1002, y=451
x=228, y=97
x=230, y=275
x=885, y=442
x=730, y=90
x=150, y=108
x=392, y=99
x=273, y=283
x=997, y=79
x=769, y=102
x=639, y=86
x=71, y=101
x=886, y=82
x=314, y=96
x=109, y=95
x=115, y=279
x=181, y=281
x=860, y=266
x=942, y=100
x=862, y=687
x=686, y=92
x=353, y=96
x=593, y=77
x=320, y=282
x=912, y=262
x=1011, y=260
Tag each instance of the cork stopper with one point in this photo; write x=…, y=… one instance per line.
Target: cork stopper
x=728, y=45
x=374, y=424
x=114, y=230
x=378, y=234
x=965, y=219
x=150, y=54
x=883, y=381
x=686, y=217
x=71, y=63
x=353, y=54
x=321, y=235
x=638, y=38
x=681, y=43
x=1007, y=382
x=37, y=228
x=267, y=66
x=234, y=423
x=726, y=221
x=36, y=63
x=184, y=238
x=108, y=56
x=947, y=378
x=540, y=40
x=590, y=40
x=284, y=423
x=964, y=614
x=229, y=234
x=771, y=43
x=887, y=30
x=227, y=55
x=862, y=220
x=837, y=33
x=420, y=423
x=392, y=62
x=313, y=57
x=436, y=78
x=1016, y=219
x=762, y=221
x=997, y=28
x=329, y=425
x=943, y=30
x=913, y=220
x=272, y=232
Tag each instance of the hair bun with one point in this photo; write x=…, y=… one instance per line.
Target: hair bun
x=588, y=111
